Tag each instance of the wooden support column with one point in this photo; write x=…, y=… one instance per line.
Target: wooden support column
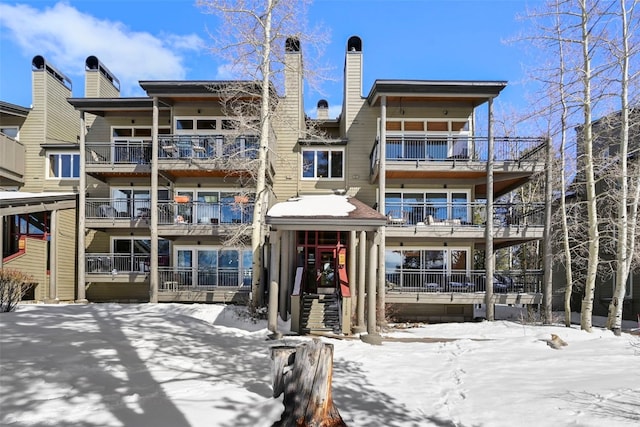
x=81, y=295
x=351, y=271
x=153, y=262
x=489, y=254
x=362, y=263
x=274, y=277
x=371, y=288
x=284, y=276
x=53, y=256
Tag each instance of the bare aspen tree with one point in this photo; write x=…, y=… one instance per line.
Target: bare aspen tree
x=252, y=37
x=626, y=225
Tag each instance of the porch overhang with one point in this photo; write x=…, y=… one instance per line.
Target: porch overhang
x=324, y=212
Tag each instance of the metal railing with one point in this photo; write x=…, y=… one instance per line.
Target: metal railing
x=171, y=212
x=457, y=148
x=462, y=281
x=97, y=263
x=120, y=152
x=117, y=209
x=463, y=214
x=207, y=147
x=173, y=279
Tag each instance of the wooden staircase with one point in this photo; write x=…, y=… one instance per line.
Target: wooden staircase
x=320, y=313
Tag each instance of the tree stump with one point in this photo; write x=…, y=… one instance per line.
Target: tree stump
x=304, y=374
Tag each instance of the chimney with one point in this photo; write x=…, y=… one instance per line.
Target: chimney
x=352, y=99
x=323, y=110
x=293, y=79
x=99, y=81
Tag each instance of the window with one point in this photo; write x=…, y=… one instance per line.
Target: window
x=429, y=206
x=132, y=254
x=322, y=163
x=64, y=165
x=212, y=266
x=421, y=266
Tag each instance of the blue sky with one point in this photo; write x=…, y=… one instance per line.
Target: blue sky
x=167, y=39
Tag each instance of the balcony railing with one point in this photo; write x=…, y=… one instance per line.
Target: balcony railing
x=126, y=152
x=171, y=212
x=98, y=263
x=117, y=209
x=462, y=281
x=205, y=213
x=457, y=148
x=118, y=153
x=471, y=214
x=174, y=279
x=207, y=147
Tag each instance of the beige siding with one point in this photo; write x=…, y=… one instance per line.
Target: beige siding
x=32, y=135
x=66, y=250
x=98, y=86
x=63, y=121
x=34, y=263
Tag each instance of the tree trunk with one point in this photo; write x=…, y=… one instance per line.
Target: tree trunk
x=592, y=213
x=304, y=374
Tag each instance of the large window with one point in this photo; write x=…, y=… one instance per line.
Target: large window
x=212, y=266
x=63, y=165
x=429, y=206
x=132, y=254
x=214, y=207
x=322, y=163
x=18, y=227
x=417, y=267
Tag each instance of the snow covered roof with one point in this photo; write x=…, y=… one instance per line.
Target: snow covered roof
x=325, y=209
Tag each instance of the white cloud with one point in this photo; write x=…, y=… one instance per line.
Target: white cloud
x=66, y=36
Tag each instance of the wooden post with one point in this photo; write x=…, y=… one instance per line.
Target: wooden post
x=304, y=373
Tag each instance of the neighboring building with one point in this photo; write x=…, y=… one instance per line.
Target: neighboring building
x=386, y=208
x=606, y=149
x=39, y=175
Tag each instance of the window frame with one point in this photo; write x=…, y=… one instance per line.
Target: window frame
x=75, y=154
x=315, y=176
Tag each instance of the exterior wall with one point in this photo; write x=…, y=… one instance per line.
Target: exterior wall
x=52, y=119
x=66, y=238
x=287, y=128
x=33, y=262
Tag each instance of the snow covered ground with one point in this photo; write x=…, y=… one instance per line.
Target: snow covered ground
x=208, y=365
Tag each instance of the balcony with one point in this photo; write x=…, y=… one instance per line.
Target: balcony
x=12, y=159
x=129, y=158
x=190, y=284
x=117, y=213
x=462, y=286
x=174, y=218
x=512, y=221
x=451, y=157
x=178, y=218
x=117, y=268
x=213, y=155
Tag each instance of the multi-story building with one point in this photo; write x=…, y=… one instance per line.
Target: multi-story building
x=39, y=176
x=391, y=205
x=385, y=207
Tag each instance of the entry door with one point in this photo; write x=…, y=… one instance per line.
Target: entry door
x=325, y=268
